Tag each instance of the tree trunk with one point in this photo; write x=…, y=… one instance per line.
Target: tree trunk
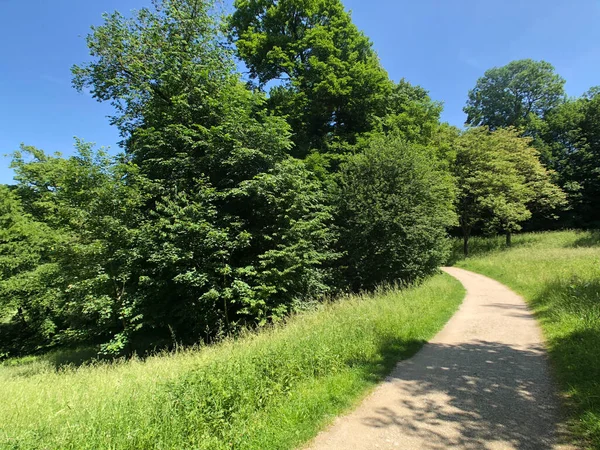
x=508, y=239
x=21, y=315
x=466, y=229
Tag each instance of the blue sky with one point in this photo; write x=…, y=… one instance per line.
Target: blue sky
x=441, y=45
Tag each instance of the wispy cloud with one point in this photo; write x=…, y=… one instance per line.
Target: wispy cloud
x=54, y=80
x=465, y=57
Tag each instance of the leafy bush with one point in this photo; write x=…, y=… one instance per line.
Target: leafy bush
x=395, y=203
x=208, y=272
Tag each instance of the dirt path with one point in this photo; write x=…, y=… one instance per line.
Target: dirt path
x=481, y=383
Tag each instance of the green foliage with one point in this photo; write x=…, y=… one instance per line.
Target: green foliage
x=87, y=207
x=91, y=262
x=330, y=83
x=395, y=203
x=235, y=231
x=162, y=66
x=570, y=141
x=24, y=245
x=488, y=182
x=558, y=275
x=26, y=276
x=500, y=180
x=209, y=270
x=411, y=114
x=291, y=225
x=273, y=389
x=325, y=77
x=514, y=94
x=541, y=194
x=183, y=109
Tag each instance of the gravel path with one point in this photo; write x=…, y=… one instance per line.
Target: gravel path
x=482, y=383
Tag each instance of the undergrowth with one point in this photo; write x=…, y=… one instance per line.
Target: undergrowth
x=269, y=390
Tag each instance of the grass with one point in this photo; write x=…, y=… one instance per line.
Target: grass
x=270, y=390
x=559, y=275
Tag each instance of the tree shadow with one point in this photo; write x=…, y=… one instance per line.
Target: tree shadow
x=588, y=239
x=471, y=395
x=526, y=314
x=485, y=245
x=54, y=360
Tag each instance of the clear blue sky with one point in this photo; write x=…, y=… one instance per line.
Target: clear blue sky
x=441, y=45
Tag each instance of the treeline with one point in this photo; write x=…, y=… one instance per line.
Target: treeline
x=530, y=95
x=236, y=201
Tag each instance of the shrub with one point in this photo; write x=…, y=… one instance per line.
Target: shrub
x=395, y=202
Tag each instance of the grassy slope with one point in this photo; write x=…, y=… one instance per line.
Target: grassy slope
x=559, y=275
x=271, y=390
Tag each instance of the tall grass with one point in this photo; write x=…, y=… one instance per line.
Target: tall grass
x=559, y=275
x=270, y=390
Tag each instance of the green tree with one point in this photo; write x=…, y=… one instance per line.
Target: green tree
x=570, y=141
x=23, y=243
x=209, y=271
x=26, y=273
x=395, y=201
x=511, y=95
x=410, y=113
x=164, y=65
x=180, y=105
x=88, y=210
x=486, y=181
x=222, y=249
x=500, y=180
x=330, y=84
x=543, y=196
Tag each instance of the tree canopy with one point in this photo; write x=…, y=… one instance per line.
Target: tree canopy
x=511, y=95
x=569, y=139
x=500, y=181
x=328, y=80
x=235, y=203
x=324, y=76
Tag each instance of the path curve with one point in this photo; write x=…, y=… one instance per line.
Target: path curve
x=482, y=383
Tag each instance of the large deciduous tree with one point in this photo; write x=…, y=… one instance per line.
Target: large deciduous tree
x=543, y=196
x=500, y=181
x=570, y=141
x=329, y=82
x=225, y=246
x=511, y=95
x=179, y=103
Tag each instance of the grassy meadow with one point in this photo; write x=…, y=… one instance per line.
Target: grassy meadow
x=269, y=390
x=558, y=273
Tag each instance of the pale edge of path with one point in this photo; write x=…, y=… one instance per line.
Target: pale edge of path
x=482, y=383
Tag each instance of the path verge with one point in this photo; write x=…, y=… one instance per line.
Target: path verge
x=482, y=383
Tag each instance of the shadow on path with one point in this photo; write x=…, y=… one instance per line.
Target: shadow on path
x=475, y=395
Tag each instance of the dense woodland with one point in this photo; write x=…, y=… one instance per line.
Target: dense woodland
x=242, y=197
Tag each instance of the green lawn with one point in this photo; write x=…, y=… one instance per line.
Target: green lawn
x=271, y=390
x=559, y=275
